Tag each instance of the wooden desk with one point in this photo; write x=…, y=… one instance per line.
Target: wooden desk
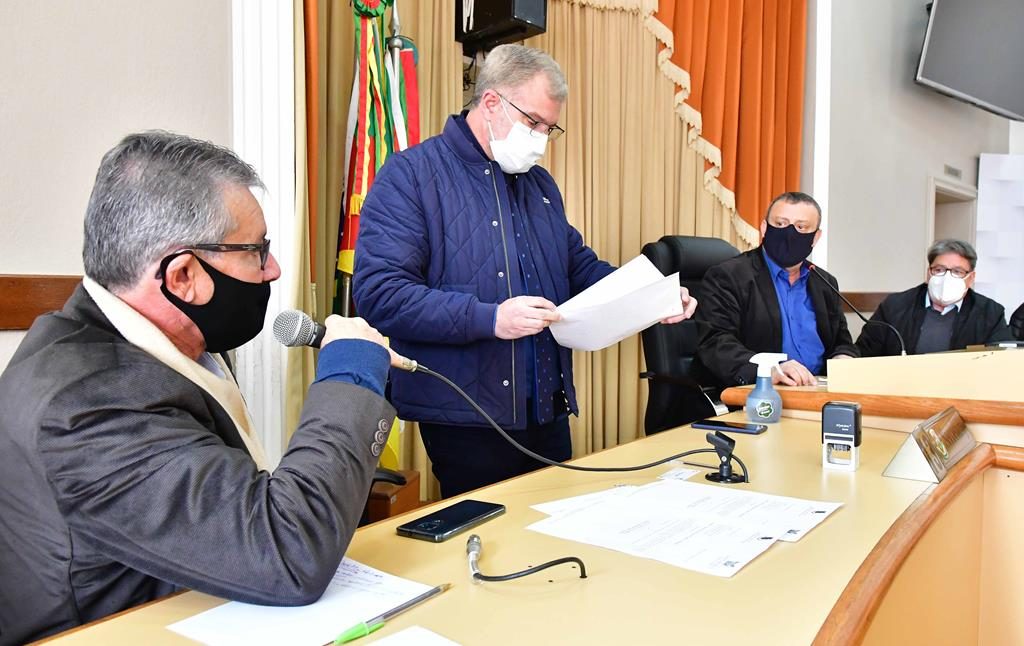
x=784, y=597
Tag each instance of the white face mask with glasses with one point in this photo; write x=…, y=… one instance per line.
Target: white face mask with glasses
x=521, y=149
x=946, y=288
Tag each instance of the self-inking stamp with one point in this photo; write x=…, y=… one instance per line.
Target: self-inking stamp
x=840, y=436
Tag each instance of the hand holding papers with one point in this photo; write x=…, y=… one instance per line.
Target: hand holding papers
x=631, y=299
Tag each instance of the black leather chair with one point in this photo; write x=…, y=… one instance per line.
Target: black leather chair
x=676, y=395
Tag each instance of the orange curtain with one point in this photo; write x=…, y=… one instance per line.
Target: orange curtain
x=738, y=66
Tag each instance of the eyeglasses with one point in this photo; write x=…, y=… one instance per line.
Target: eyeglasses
x=262, y=247
x=537, y=128
x=939, y=270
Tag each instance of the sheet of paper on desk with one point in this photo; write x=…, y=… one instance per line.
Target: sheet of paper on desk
x=630, y=299
x=356, y=593
x=696, y=543
x=567, y=505
x=793, y=516
x=415, y=636
x=694, y=526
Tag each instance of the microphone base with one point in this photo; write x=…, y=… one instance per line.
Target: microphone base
x=732, y=478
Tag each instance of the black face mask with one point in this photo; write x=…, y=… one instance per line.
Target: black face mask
x=234, y=315
x=787, y=246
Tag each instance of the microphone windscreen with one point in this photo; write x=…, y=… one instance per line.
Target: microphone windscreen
x=294, y=328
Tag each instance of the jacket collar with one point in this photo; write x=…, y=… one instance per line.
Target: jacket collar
x=465, y=148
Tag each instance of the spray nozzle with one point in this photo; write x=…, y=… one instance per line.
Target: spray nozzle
x=766, y=361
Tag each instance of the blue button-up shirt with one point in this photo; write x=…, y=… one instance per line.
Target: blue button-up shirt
x=800, y=340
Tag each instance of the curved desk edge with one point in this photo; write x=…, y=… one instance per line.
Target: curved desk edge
x=850, y=618
x=974, y=411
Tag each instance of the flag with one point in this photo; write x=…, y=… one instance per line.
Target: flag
x=383, y=112
x=383, y=118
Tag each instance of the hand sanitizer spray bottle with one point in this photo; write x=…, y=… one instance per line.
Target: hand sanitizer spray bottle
x=764, y=404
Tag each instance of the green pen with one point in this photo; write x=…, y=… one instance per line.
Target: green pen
x=370, y=625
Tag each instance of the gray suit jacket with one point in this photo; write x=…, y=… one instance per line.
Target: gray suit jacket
x=123, y=481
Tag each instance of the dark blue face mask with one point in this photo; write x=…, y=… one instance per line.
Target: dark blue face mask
x=233, y=316
x=787, y=246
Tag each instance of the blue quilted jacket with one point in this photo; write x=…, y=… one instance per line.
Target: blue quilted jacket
x=436, y=254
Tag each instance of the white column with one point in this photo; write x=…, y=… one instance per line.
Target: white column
x=264, y=135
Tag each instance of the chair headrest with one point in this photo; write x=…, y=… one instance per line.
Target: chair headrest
x=691, y=256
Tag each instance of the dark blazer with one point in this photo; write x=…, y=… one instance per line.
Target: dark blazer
x=739, y=316
x=123, y=481
x=1017, y=323
x=980, y=320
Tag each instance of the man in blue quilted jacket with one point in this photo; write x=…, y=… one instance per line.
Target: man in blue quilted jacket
x=464, y=249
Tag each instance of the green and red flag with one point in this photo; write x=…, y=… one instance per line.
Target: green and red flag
x=383, y=113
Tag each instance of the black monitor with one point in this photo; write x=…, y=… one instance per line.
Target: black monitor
x=974, y=51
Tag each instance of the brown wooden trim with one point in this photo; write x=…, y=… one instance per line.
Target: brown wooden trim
x=24, y=297
x=1009, y=457
x=976, y=411
x=864, y=301
x=851, y=616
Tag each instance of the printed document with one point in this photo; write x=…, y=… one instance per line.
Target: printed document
x=632, y=298
x=356, y=593
x=698, y=527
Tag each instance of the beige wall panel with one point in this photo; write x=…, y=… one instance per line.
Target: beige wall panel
x=934, y=598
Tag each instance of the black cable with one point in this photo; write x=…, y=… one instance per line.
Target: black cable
x=419, y=367
x=899, y=337
x=475, y=546
x=533, y=570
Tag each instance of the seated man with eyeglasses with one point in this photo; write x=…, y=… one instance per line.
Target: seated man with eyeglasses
x=128, y=461
x=941, y=314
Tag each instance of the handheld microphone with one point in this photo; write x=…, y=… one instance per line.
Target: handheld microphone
x=899, y=337
x=294, y=329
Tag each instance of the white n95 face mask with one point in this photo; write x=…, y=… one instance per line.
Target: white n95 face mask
x=946, y=289
x=520, y=150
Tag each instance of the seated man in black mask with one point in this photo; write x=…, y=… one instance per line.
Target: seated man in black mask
x=942, y=314
x=129, y=464
x=766, y=300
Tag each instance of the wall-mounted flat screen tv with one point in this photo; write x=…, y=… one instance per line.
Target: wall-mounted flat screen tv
x=974, y=51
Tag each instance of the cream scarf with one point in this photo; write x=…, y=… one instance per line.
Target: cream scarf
x=140, y=332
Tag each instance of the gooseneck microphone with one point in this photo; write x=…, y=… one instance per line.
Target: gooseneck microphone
x=899, y=337
x=295, y=329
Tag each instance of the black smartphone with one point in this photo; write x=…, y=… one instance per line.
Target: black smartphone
x=453, y=519
x=730, y=427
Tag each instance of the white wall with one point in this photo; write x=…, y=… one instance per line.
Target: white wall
x=888, y=135
x=75, y=77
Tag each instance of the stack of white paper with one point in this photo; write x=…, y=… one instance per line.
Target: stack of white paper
x=356, y=593
x=632, y=298
x=698, y=527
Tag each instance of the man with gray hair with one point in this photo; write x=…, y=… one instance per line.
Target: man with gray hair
x=943, y=313
x=128, y=461
x=464, y=250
